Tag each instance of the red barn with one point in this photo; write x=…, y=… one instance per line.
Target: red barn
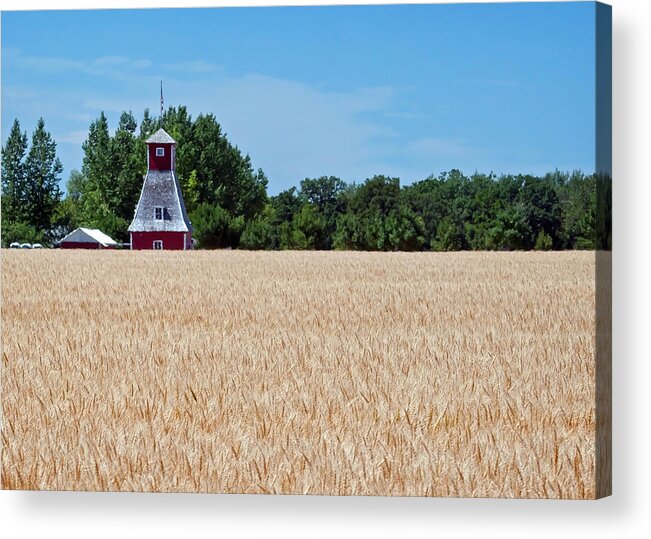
x=87, y=238
x=161, y=220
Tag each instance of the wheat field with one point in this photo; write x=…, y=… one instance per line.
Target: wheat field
x=437, y=374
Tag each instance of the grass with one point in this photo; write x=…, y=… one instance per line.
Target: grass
x=461, y=374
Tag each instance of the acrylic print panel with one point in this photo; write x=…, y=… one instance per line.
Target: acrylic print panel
x=342, y=250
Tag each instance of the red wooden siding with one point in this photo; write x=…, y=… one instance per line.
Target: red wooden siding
x=81, y=245
x=160, y=163
x=172, y=241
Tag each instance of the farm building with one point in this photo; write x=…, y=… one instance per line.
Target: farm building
x=161, y=220
x=87, y=238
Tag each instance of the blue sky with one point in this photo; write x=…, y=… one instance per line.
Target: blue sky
x=352, y=91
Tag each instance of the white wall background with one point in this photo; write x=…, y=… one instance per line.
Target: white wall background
x=24, y=514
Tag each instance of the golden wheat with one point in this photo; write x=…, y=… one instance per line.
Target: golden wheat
x=462, y=374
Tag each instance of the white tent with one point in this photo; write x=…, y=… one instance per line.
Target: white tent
x=88, y=236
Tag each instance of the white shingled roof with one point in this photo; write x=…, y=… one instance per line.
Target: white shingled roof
x=161, y=136
x=84, y=235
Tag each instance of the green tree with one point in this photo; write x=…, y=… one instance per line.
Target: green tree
x=128, y=165
x=148, y=126
x=286, y=204
x=436, y=199
x=223, y=175
x=543, y=242
x=42, y=176
x=211, y=225
x=259, y=232
x=68, y=214
x=578, y=198
x=280, y=215
x=324, y=194
x=18, y=231
x=177, y=121
x=509, y=230
x=349, y=234
x=190, y=189
x=541, y=209
x=14, y=202
x=236, y=229
x=368, y=206
x=405, y=230
x=96, y=166
x=309, y=229
x=376, y=196
x=450, y=235
x=98, y=188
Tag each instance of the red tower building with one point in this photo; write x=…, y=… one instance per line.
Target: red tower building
x=161, y=220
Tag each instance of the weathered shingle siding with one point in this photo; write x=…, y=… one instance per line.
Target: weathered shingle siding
x=161, y=188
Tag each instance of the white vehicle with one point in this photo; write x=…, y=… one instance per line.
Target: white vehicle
x=25, y=245
x=14, y=245
x=37, y=246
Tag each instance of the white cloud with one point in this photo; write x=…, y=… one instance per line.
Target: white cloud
x=499, y=83
x=104, y=65
x=116, y=65
x=79, y=116
x=111, y=60
x=291, y=129
x=405, y=115
x=442, y=147
x=142, y=63
x=116, y=104
x=16, y=59
x=18, y=94
x=194, y=66
x=76, y=137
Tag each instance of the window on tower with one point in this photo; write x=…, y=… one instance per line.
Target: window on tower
x=158, y=213
x=160, y=152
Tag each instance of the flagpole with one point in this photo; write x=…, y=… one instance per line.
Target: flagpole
x=161, y=105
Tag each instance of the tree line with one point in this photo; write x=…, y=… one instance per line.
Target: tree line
x=228, y=204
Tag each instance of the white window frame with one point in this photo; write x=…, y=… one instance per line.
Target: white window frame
x=158, y=245
x=159, y=210
x=160, y=151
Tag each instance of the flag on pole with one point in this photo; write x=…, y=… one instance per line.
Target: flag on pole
x=161, y=103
